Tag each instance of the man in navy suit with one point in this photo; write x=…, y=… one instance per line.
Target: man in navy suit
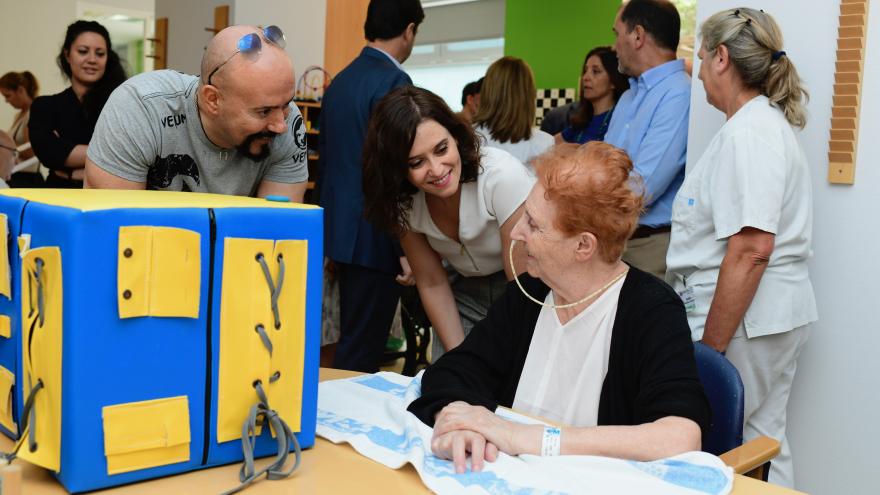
x=367, y=259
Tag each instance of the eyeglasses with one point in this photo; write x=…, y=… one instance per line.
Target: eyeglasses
x=250, y=45
x=13, y=150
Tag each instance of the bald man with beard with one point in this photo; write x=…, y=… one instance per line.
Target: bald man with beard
x=232, y=130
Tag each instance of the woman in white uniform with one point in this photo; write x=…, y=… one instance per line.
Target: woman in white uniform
x=742, y=220
x=427, y=181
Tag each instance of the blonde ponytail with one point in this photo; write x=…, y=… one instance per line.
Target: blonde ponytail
x=783, y=88
x=754, y=44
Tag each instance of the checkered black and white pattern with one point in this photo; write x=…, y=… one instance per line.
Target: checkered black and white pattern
x=550, y=98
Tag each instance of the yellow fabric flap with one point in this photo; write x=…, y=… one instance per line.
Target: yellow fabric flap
x=159, y=272
x=7, y=380
x=243, y=359
x=5, y=281
x=5, y=326
x=41, y=352
x=24, y=244
x=245, y=303
x=288, y=358
x=140, y=435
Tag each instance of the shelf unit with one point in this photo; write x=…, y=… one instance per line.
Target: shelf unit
x=846, y=108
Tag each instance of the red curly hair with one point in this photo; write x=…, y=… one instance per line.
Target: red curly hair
x=593, y=190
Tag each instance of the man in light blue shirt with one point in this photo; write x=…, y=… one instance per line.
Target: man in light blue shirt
x=650, y=121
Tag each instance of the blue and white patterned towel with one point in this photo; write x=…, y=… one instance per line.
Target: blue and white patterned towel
x=369, y=412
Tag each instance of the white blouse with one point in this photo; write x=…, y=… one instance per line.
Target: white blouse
x=501, y=187
x=566, y=364
x=524, y=151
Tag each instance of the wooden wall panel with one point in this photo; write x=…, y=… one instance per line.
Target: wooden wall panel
x=160, y=44
x=344, y=33
x=221, y=18
x=847, y=91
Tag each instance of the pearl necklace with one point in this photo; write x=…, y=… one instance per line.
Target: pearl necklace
x=563, y=306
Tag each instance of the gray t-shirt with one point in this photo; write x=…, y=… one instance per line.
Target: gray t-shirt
x=149, y=131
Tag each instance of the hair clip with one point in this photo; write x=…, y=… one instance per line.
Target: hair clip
x=777, y=55
x=749, y=21
x=736, y=12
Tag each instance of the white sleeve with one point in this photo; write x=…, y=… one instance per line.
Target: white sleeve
x=506, y=183
x=541, y=142
x=748, y=185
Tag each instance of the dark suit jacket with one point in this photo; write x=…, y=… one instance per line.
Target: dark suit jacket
x=345, y=112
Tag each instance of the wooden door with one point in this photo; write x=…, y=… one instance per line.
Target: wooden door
x=344, y=33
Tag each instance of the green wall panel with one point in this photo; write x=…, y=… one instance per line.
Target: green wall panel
x=554, y=35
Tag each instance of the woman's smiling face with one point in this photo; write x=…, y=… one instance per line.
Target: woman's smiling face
x=87, y=58
x=434, y=161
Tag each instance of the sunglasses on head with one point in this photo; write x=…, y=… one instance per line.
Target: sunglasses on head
x=250, y=45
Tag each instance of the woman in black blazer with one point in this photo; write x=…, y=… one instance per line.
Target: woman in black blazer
x=61, y=125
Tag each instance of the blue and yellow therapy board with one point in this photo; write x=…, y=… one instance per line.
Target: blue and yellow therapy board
x=139, y=323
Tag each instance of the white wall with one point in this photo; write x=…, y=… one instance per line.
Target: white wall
x=187, y=37
x=301, y=20
x=31, y=33
x=832, y=414
x=466, y=21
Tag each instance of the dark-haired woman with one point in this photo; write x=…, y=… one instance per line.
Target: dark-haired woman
x=61, y=125
x=427, y=181
x=601, y=87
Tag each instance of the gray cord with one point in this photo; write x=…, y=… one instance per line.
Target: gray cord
x=261, y=413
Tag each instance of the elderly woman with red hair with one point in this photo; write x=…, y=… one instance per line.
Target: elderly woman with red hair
x=583, y=340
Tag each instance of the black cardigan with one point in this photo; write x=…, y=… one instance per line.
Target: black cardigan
x=651, y=368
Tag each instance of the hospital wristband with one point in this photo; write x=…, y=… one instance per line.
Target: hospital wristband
x=551, y=442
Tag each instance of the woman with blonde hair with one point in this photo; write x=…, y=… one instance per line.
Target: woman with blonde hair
x=506, y=116
x=19, y=90
x=742, y=220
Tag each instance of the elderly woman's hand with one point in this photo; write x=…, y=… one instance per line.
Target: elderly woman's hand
x=506, y=436
x=457, y=444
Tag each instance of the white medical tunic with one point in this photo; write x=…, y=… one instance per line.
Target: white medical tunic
x=753, y=174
